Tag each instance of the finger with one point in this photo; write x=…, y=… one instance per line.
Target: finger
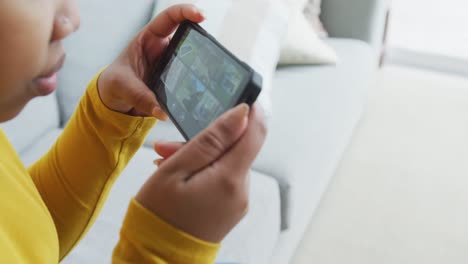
x=159, y=114
x=144, y=100
x=167, y=149
x=240, y=157
x=210, y=144
x=168, y=20
x=158, y=162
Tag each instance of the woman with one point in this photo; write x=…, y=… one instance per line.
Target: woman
x=198, y=194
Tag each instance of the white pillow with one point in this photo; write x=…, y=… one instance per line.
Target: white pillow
x=312, y=13
x=302, y=44
x=251, y=29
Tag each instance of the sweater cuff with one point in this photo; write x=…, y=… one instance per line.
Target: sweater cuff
x=121, y=124
x=162, y=239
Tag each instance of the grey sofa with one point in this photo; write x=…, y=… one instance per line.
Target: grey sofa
x=315, y=111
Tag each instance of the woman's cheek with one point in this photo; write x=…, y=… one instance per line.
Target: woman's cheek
x=25, y=30
x=37, y=46
x=25, y=34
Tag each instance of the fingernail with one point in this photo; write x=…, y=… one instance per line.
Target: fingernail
x=64, y=20
x=158, y=162
x=154, y=113
x=245, y=109
x=201, y=12
x=237, y=116
x=242, y=110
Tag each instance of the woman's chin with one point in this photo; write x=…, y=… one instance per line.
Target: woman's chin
x=10, y=112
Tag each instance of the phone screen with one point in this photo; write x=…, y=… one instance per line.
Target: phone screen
x=201, y=82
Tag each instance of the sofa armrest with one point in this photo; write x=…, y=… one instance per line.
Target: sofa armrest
x=357, y=19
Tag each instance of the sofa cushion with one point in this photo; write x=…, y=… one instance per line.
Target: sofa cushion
x=40, y=147
x=164, y=131
x=104, y=33
x=255, y=238
x=37, y=118
x=252, y=241
x=302, y=45
x=317, y=110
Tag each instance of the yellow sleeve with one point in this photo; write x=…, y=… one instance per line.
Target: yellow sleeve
x=75, y=177
x=145, y=238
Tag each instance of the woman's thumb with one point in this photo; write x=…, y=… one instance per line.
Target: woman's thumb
x=211, y=143
x=145, y=102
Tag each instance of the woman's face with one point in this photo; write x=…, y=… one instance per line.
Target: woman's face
x=31, y=51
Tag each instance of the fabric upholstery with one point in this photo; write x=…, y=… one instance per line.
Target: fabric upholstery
x=38, y=117
x=312, y=12
x=328, y=126
x=257, y=242
x=255, y=238
x=164, y=131
x=252, y=241
x=40, y=147
x=104, y=33
x=302, y=44
x=317, y=108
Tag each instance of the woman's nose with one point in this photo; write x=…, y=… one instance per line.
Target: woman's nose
x=67, y=20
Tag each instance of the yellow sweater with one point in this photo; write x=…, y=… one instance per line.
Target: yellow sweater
x=45, y=210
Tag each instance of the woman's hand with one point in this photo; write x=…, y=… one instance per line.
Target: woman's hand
x=202, y=186
x=123, y=85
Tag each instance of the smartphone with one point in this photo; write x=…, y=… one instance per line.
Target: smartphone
x=197, y=80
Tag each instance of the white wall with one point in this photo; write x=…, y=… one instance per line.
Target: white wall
x=432, y=26
x=429, y=33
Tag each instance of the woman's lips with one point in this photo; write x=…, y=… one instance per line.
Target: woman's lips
x=47, y=83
